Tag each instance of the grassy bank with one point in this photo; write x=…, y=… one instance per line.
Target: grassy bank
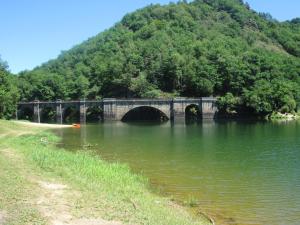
x=100, y=190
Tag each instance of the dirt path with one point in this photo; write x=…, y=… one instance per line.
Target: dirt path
x=2, y=217
x=54, y=201
x=53, y=205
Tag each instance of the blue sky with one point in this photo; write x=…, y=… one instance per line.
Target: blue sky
x=34, y=31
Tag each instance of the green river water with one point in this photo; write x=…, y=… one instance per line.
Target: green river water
x=238, y=172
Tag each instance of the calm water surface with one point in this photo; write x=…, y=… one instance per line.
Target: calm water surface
x=239, y=172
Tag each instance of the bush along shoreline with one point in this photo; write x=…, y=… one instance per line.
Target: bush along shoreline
x=104, y=190
x=232, y=107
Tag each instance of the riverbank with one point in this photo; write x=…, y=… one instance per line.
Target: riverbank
x=41, y=125
x=42, y=184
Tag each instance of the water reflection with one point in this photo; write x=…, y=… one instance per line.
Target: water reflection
x=240, y=172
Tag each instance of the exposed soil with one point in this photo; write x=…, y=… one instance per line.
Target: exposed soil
x=57, y=210
x=2, y=217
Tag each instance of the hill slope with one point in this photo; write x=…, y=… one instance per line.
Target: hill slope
x=202, y=48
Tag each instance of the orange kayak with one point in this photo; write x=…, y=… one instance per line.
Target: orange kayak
x=76, y=125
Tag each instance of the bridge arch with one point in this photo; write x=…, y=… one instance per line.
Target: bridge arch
x=144, y=113
x=192, y=113
x=26, y=112
x=48, y=114
x=71, y=114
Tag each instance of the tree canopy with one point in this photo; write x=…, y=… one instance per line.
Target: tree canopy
x=9, y=93
x=201, y=48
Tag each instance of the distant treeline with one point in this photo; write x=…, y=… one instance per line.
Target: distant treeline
x=203, y=48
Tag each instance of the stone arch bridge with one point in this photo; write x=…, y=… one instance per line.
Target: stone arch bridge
x=116, y=109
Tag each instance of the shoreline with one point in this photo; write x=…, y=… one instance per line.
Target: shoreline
x=99, y=190
x=41, y=125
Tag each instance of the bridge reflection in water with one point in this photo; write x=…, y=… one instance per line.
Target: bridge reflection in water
x=111, y=109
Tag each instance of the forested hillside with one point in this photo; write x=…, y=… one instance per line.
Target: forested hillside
x=203, y=48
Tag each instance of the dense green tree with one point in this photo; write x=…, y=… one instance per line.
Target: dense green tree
x=265, y=97
x=201, y=48
x=228, y=103
x=9, y=94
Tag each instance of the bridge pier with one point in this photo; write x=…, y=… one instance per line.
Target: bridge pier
x=59, y=112
x=17, y=113
x=208, y=108
x=36, y=112
x=82, y=110
x=109, y=109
